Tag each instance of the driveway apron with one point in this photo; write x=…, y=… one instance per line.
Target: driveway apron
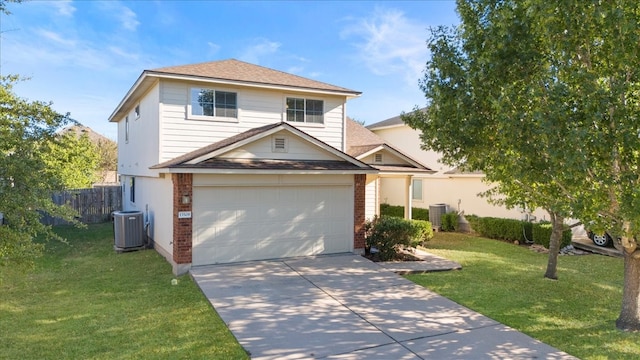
x=347, y=307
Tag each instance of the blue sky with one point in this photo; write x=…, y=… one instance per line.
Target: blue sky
x=85, y=55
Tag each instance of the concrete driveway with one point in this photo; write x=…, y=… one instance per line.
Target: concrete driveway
x=347, y=307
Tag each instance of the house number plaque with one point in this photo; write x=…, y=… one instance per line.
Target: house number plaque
x=184, y=214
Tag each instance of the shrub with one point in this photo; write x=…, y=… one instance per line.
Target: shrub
x=501, y=229
x=542, y=235
x=398, y=211
x=419, y=213
x=424, y=232
x=449, y=222
x=389, y=234
x=391, y=210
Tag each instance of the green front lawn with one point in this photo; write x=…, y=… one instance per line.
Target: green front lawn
x=505, y=282
x=85, y=301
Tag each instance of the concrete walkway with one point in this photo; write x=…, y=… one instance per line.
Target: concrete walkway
x=347, y=307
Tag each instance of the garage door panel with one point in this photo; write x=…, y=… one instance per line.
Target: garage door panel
x=251, y=223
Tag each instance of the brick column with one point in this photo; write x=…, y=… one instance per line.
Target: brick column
x=182, y=228
x=359, y=183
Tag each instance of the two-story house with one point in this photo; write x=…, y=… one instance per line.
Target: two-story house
x=232, y=162
x=459, y=190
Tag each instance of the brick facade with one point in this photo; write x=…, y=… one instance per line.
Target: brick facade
x=359, y=183
x=182, y=228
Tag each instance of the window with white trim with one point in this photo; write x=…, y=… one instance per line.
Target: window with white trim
x=213, y=103
x=416, y=185
x=305, y=110
x=136, y=111
x=126, y=129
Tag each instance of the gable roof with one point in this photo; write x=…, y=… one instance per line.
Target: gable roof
x=362, y=141
x=240, y=71
x=391, y=122
x=205, y=158
x=230, y=72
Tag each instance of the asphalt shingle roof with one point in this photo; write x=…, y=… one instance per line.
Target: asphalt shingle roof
x=235, y=70
x=272, y=164
x=396, y=120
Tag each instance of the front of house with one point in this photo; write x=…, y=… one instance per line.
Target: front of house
x=459, y=190
x=231, y=162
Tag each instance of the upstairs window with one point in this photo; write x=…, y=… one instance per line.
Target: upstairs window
x=305, y=110
x=213, y=103
x=137, y=112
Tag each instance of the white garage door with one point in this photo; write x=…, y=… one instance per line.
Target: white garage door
x=254, y=223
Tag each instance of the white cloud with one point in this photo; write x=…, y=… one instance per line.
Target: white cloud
x=260, y=48
x=56, y=37
x=127, y=18
x=63, y=7
x=389, y=43
x=122, y=53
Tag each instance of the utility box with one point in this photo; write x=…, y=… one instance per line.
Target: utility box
x=128, y=228
x=435, y=215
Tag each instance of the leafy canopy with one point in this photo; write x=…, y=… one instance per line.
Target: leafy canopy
x=27, y=130
x=543, y=97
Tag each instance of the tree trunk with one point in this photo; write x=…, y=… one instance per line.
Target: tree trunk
x=557, y=226
x=629, y=318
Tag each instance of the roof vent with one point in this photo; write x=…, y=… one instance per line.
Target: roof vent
x=279, y=144
x=377, y=158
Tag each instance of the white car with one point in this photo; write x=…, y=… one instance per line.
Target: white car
x=605, y=239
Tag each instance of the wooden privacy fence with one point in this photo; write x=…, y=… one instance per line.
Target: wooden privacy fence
x=93, y=205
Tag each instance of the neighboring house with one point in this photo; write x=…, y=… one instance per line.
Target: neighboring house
x=233, y=162
x=399, y=174
x=458, y=190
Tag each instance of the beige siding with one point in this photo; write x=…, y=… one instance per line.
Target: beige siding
x=180, y=134
x=460, y=194
x=149, y=201
x=387, y=158
x=136, y=155
x=371, y=208
x=407, y=140
x=296, y=149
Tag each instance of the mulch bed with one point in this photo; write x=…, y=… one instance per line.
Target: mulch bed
x=401, y=256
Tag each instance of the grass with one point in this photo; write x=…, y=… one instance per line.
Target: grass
x=505, y=282
x=83, y=301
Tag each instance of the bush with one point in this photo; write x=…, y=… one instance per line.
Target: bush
x=501, y=229
x=449, y=222
x=389, y=234
x=391, y=210
x=398, y=211
x=542, y=235
x=424, y=232
x=418, y=213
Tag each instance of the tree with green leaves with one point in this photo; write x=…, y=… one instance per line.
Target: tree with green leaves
x=108, y=157
x=28, y=130
x=544, y=98
x=73, y=159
